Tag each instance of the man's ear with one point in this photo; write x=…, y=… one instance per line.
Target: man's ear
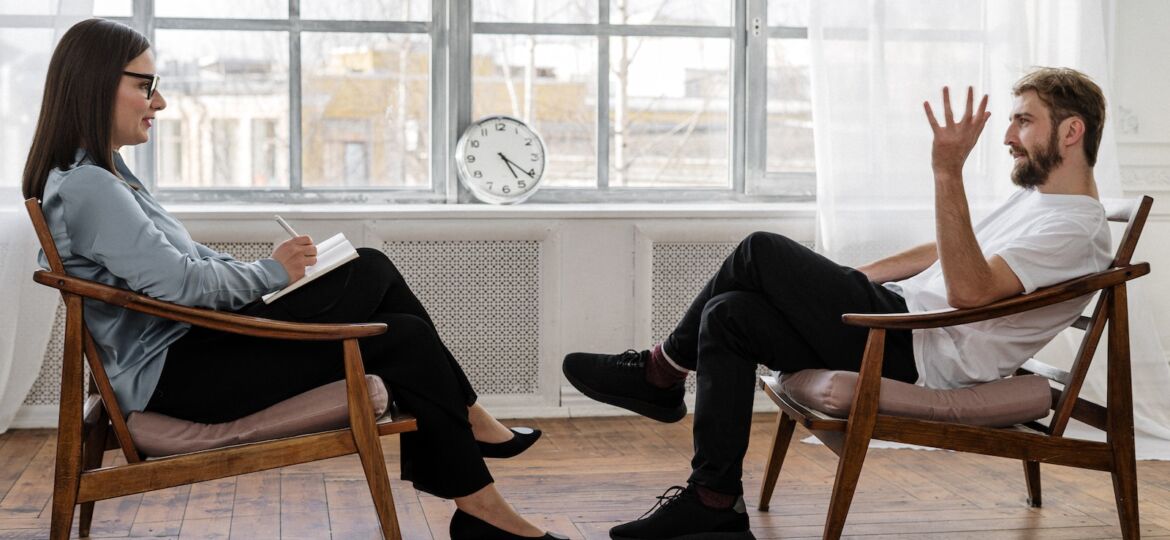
x=1071, y=131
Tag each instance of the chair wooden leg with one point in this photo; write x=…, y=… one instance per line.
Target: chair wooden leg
x=784, y=429
x=1032, y=477
x=1120, y=420
x=66, y=479
x=845, y=484
x=67, y=473
x=862, y=419
x=1125, y=491
x=369, y=446
x=374, y=465
x=92, y=452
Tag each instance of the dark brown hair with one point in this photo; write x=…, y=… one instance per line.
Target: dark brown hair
x=1067, y=93
x=78, y=104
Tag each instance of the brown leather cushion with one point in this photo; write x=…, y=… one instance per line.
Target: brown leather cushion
x=320, y=409
x=999, y=403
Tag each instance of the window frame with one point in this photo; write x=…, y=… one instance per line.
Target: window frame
x=451, y=30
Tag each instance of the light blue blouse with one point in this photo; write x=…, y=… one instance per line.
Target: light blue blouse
x=113, y=231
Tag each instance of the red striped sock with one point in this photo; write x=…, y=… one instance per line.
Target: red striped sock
x=713, y=499
x=659, y=372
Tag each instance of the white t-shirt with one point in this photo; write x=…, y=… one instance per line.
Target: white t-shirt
x=1045, y=239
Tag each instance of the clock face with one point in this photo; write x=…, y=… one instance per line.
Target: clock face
x=500, y=160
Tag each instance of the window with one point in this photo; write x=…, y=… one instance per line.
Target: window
x=224, y=159
x=234, y=86
x=551, y=83
x=345, y=153
x=633, y=97
x=367, y=90
x=787, y=165
x=24, y=59
x=265, y=144
x=356, y=171
x=170, y=151
x=637, y=100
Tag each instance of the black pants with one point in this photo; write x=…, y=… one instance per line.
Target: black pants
x=212, y=376
x=777, y=303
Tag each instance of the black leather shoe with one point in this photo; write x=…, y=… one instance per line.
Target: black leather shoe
x=679, y=515
x=620, y=379
x=522, y=438
x=465, y=526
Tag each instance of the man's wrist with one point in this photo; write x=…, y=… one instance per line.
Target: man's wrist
x=947, y=173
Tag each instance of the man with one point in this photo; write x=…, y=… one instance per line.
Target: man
x=778, y=303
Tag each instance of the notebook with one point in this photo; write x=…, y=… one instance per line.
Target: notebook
x=331, y=253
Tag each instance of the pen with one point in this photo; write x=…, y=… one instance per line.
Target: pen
x=288, y=228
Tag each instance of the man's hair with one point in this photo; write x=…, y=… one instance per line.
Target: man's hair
x=78, y=105
x=1067, y=93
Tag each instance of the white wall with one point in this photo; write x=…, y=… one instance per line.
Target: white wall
x=1141, y=110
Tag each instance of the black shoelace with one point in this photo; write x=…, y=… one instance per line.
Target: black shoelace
x=631, y=359
x=668, y=497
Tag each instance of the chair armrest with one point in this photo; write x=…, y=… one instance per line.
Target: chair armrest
x=1009, y=306
x=207, y=318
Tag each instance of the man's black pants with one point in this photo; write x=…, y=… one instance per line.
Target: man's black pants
x=778, y=303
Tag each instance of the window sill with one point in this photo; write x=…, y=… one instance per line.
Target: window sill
x=205, y=211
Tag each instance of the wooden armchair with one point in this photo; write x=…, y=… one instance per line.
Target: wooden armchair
x=85, y=423
x=1032, y=442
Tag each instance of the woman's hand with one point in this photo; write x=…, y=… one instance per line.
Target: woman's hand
x=294, y=255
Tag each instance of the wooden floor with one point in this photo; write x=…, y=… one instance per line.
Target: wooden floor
x=588, y=474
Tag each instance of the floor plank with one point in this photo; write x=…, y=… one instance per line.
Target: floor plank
x=28, y=495
x=587, y=475
x=20, y=446
x=303, y=511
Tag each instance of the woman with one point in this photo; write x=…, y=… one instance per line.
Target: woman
x=101, y=94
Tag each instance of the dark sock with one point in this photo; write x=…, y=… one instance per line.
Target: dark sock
x=659, y=372
x=713, y=499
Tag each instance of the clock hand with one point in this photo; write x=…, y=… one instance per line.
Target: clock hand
x=509, y=164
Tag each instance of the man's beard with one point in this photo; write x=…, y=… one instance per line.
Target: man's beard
x=1038, y=163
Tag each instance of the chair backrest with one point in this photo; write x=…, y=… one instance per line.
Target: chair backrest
x=1133, y=212
x=97, y=370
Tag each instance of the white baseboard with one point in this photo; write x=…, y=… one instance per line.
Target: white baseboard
x=35, y=416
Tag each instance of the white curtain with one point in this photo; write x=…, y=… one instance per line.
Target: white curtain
x=27, y=309
x=873, y=64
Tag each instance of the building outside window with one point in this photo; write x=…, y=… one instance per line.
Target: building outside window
x=356, y=171
x=265, y=143
x=170, y=151
x=224, y=158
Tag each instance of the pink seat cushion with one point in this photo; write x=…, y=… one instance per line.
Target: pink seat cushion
x=320, y=409
x=999, y=403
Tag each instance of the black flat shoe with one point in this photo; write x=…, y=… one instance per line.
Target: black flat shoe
x=522, y=438
x=465, y=526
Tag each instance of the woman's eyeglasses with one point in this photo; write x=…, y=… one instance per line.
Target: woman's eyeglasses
x=153, y=78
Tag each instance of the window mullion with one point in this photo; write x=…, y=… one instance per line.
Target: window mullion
x=295, y=176
x=603, y=98
x=459, y=87
x=143, y=17
x=739, y=78
x=755, y=140
x=440, y=98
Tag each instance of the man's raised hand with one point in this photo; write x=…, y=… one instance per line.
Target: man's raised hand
x=953, y=140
